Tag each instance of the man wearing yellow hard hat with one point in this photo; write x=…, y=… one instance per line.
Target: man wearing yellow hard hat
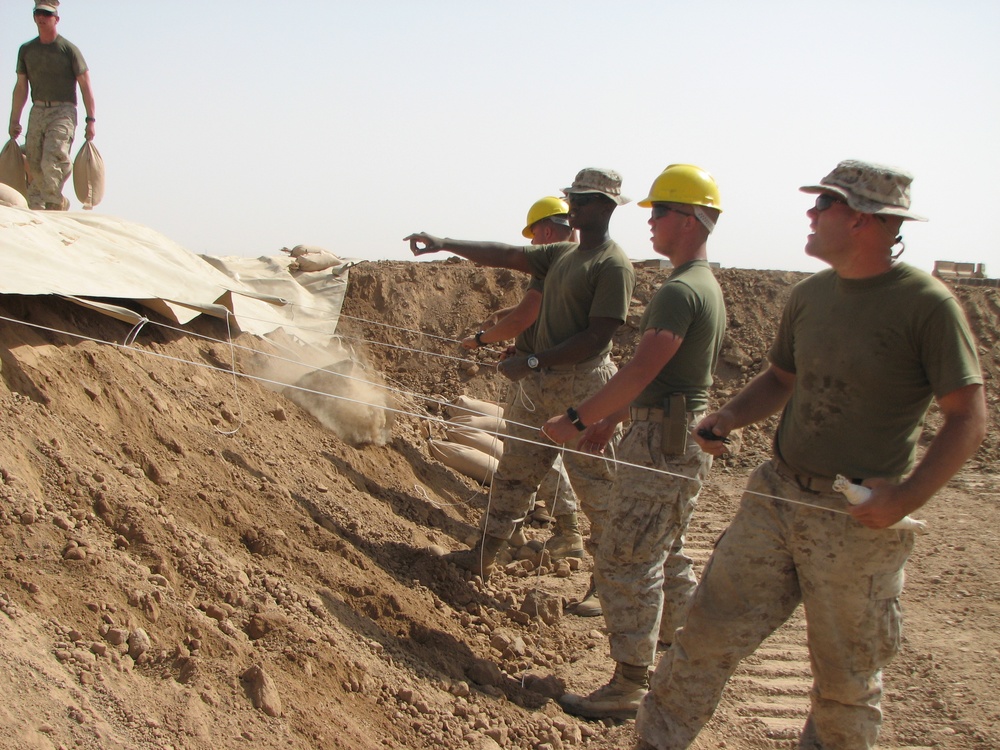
x=664, y=389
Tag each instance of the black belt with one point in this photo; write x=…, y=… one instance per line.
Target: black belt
x=804, y=481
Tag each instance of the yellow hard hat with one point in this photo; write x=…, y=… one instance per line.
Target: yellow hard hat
x=543, y=209
x=684, y=183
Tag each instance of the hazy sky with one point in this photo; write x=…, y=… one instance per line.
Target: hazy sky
x=239, y=128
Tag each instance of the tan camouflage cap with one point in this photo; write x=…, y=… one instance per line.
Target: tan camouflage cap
x=52, y=6
x=604, y=181
x=869, y=188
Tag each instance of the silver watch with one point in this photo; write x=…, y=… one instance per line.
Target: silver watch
x=532, y=362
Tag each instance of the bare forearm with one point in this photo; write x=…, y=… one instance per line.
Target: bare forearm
x=952, y=446
x=763, y=396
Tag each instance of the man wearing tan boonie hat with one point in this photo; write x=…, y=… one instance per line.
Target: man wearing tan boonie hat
x=50, y=68
x=862, y=349
x=587, y=288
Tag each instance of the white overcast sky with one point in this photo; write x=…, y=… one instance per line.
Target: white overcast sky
x=238, y=128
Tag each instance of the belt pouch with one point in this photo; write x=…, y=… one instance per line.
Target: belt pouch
x=674, y=431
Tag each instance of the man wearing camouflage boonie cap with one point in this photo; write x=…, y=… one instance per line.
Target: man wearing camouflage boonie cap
x=862, y=349
x=587, y=288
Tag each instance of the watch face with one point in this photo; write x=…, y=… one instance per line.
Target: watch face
x=533, y=362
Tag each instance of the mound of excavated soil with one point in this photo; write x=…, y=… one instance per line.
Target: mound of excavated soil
x=192, y=560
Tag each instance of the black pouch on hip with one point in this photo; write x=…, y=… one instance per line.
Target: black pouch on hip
x=674, y=431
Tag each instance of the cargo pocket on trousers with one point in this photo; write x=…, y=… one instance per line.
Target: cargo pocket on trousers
x=886, y=590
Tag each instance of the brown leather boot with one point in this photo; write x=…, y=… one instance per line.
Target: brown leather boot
x=567, y=541
x=619, y=699
x=590, y=605
x=480, y=559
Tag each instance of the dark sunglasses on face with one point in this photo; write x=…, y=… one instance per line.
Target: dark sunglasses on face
x=662, y=209
x=582, y=199
x=825, y=200
x=46, y=13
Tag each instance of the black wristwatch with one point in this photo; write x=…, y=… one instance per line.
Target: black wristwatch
x=533, y=363
x=575, y=419
x=479, y=339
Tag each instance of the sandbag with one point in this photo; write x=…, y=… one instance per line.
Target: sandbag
x=482, y=441
x=88, y=175
x=467, y=405
x=13, y=170
x=10, y=197
x=474, y=464
x=479, y=422
x=314, y=262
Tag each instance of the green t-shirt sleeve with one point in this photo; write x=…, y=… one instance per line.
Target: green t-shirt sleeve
x=672, y=309
x=949, y=350
x=613, y=291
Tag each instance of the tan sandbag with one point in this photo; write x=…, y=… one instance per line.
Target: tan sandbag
x=474, y=464
x=468, y=405
x=477, y=439
x=13, y=171
x=314, y=262
x=10, y=197
x=480, y=422
x=88, y=175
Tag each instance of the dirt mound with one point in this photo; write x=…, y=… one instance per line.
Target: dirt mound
x=192, y=560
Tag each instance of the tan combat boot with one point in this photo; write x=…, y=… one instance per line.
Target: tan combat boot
x=566, y=542
x=590, y=605
x=518, y=538
x=619, y=699
x=480, y=559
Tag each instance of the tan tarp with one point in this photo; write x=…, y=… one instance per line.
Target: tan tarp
x=86, y=255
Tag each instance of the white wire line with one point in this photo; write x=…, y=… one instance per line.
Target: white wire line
x=437, y=420
x=412, y=331
x=269, y=381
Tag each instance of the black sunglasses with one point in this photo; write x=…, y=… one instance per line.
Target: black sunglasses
x=825, y=200
x=662, y=209
x=47, y=13
x=582, y=199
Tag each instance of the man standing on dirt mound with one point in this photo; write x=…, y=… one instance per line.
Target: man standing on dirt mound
x=644, y=580
x=861, y=350
x=586, y=292
x=547, y=222
x=52, y=67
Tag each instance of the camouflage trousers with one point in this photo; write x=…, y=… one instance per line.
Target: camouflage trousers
x=556, y=491
x=774, y=555
x=47, y=145
x=644, y=579
x=533, y=400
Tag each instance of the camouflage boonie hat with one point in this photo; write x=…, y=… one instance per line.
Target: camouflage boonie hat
x=604, y=181
x=52, y=6
x=869, y=188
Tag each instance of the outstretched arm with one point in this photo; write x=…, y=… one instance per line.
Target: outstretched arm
x=610, y=404
x=495, y=254
x=511, y=323
x=762, y=397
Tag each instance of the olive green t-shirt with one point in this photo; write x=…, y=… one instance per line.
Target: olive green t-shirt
x=689, y=304
x=579, y=285
x=52, y=69
x=868, y=356
x=525, y=340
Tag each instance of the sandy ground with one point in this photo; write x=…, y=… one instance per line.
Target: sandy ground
x=195, y=561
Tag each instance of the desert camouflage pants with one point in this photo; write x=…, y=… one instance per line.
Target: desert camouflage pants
x=47, y=145
x=556, y=491
x=774, y=555
x=644, y=579
x=533, y=400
